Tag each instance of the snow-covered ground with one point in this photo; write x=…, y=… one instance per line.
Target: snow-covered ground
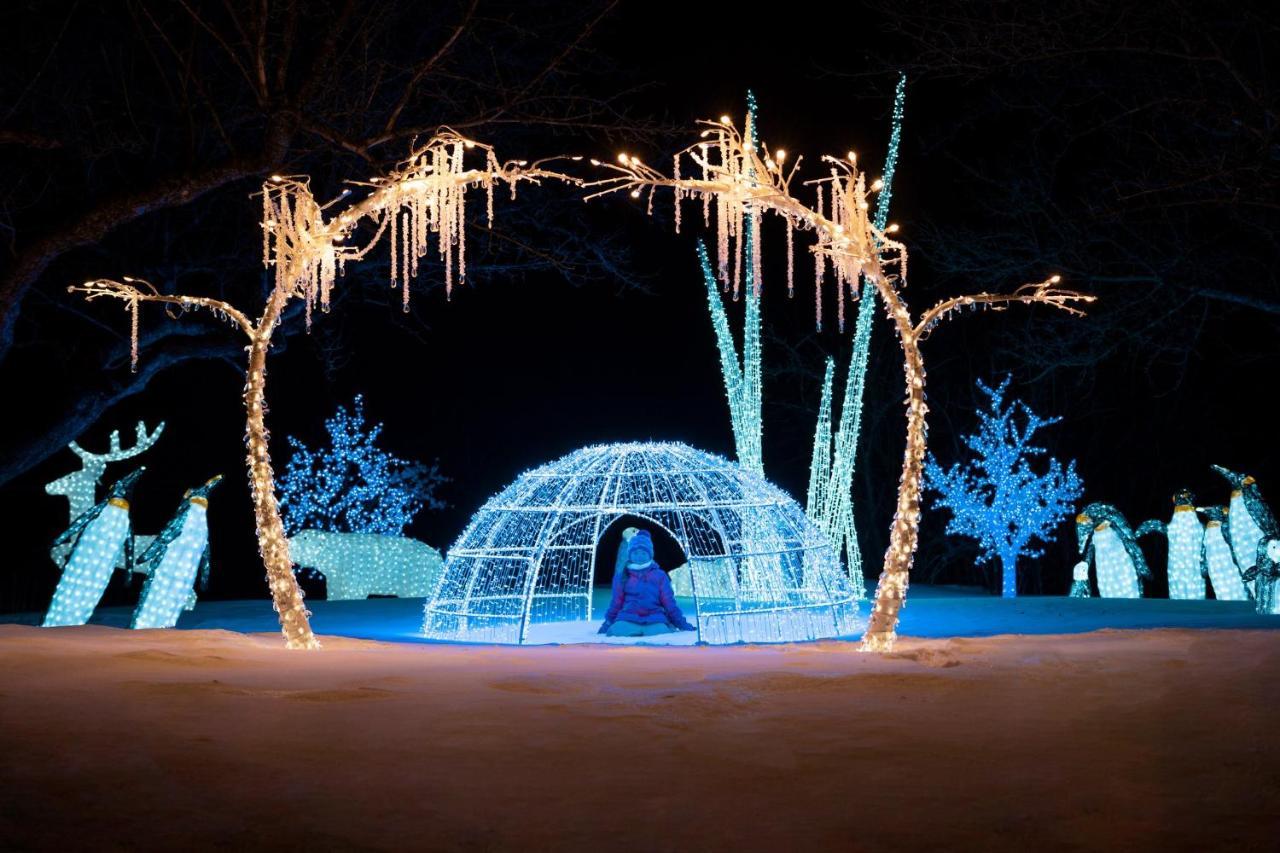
x=930, y=612
x=1162, y=739
x=1114, y=740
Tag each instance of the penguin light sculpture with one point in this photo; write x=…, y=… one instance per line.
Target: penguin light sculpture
x=1108, y=542
x=1080, y=580
x=1219, y=562
x=1265, y=575
x=95, y=540
x=1186, y=535
x=177, y=555
x=1249, y=518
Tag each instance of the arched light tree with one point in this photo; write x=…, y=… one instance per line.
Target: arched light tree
x=830, y=493
x=737, y=182
x=308, y=250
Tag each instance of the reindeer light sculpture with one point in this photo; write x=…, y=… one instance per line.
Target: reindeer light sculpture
x=80, y=487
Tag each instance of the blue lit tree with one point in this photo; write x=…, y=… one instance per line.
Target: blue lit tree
x=353, y=486
x=996, y=496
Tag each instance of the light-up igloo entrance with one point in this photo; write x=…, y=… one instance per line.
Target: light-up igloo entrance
x=759, y=570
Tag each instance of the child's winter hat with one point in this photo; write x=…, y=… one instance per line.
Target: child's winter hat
x=641, y=550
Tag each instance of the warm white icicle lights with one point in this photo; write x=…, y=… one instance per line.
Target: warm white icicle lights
x=308, y=248
x=737, y=182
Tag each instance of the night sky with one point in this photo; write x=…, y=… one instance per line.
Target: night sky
x=518, y=370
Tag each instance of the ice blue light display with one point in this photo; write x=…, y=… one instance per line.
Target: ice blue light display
x=760, y=571
x=1219, y=562
x=1080, y=581
x=1185, y=534
x=81, y=487
x=741, y=373
x=1265, y=575
x=353, y=486
x=358, y=565
x=1249, y=520
x=995, y=496
x=1106, y=540
x=96, y=541
x=179, y=553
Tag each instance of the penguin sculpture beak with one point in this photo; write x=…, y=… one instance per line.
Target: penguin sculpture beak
x=1084, y=529
x=126, y=482
x=1231, y=476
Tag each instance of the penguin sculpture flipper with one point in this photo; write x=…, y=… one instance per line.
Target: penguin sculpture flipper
x=1130, y=543
x=165, y=538
x=1260, y=511
x=204, y=570
x=178, y=557
x=128, y=550
x=1155, y=525
x=71, y=536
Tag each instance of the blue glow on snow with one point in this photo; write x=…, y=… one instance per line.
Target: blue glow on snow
x=934, y=612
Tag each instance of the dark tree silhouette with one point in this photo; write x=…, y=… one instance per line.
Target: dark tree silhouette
x=1133, y=147
x=133, y=135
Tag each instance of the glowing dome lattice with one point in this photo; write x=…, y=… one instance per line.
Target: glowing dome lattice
x=761, y=572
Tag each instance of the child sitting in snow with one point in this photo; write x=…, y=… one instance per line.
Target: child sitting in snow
x=643, y=602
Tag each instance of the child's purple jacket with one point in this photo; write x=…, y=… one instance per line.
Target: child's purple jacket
x=645, y=597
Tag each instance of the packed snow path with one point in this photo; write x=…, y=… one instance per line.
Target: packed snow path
x=178, y=740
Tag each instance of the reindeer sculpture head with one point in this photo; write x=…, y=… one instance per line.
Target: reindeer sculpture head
x=80, y=487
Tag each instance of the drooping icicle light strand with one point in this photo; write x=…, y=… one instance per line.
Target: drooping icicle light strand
x=739, y=180
x=309, y=249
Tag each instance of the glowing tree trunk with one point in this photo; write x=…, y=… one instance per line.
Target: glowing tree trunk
x=309, y=252
x=903, y=535
x=286, y=595
x=1009, y=575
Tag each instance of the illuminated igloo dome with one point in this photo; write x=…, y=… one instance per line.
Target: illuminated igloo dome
x=758, y=570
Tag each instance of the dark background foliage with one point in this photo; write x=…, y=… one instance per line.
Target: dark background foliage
x=1130, y=147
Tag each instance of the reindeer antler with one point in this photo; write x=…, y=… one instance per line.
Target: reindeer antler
x=142, y=442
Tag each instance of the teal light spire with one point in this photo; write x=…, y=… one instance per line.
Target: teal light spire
x=834, y=513
x=741, y=373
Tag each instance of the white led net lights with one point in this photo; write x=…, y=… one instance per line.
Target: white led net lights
x=760, y=571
